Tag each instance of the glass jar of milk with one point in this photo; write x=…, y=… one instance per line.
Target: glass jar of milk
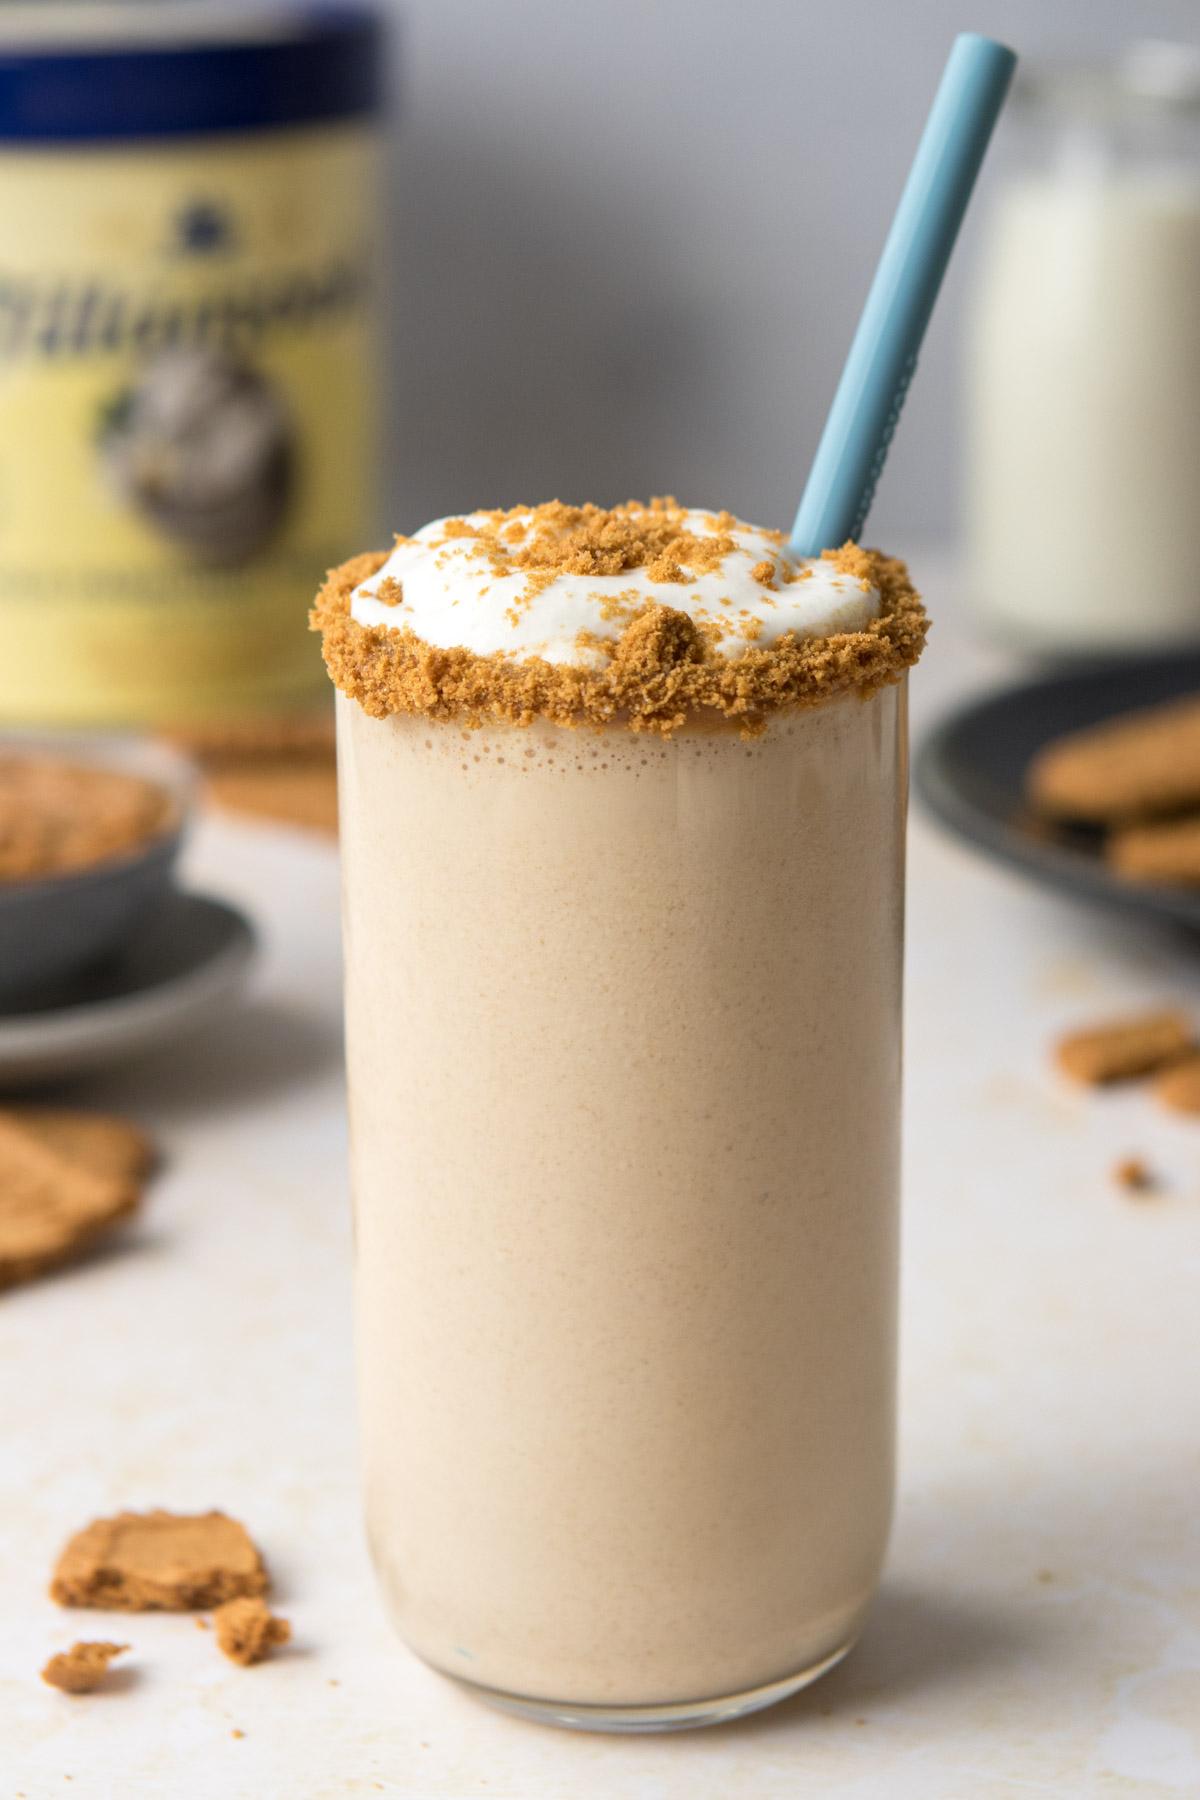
x=1083, y=493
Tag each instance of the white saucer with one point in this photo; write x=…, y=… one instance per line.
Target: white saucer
x=175, y=975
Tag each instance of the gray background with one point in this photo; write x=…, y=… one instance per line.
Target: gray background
x=630, y=240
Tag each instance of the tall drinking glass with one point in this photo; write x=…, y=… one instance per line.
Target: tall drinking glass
x=624, y=1042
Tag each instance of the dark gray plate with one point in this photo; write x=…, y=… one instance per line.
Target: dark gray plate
x=970, y=773
x=178, y=969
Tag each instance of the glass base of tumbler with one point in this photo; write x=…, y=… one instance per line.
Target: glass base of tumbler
x=680, y=1716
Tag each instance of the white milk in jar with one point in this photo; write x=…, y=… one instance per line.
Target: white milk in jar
x=1084, y=370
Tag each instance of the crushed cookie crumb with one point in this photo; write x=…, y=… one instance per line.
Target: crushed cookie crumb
x=247, y=1630
x=764, y=572
x=58, y=817
x=620, y=607
x=1134, y=1175
x=82, y=1668
x=557, y=539
x=662, y=673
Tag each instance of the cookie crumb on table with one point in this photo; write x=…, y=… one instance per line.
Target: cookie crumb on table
x=158, y=1561
x=82, y=1668
x=1134, y=1175
x=1125, y=1048
x=247, y=1630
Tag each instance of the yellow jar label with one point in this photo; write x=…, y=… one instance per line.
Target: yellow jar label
x=186, y=403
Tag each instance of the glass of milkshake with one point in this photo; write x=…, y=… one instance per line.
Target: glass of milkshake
x=622, y=802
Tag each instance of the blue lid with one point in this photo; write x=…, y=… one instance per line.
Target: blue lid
x=245, y=69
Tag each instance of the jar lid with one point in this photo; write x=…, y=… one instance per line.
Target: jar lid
x=74, y=72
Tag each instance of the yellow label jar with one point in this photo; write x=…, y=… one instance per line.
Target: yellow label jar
x=187, y=354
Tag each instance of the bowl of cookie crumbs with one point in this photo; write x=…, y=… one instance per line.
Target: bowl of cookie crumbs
x=90, y=829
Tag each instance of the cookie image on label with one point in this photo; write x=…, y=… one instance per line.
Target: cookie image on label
x=200, y=445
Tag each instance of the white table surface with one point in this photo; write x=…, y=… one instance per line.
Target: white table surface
x=1038, y=1631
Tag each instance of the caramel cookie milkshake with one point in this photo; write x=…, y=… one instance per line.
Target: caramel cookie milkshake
x=622, y=808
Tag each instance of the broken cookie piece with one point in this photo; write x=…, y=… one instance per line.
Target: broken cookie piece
x=159, y=1562
x=1141, y=765
x=82, y=1668
x=1168, y=854
x=99, y=1142
x=278, y=768
x=263, y=734
x=1179, y=1087
x=301, y=792
x=1125, y=1048
x=247, y=1630
x=50, y=1207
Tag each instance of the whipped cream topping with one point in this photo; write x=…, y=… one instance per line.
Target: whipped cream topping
x=458, y=583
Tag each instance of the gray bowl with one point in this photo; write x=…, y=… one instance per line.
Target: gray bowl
x=54, y=928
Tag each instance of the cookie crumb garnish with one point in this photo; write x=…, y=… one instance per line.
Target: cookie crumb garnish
x=665, y=669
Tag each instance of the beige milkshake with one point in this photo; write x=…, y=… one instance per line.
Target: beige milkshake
x=623, y=1014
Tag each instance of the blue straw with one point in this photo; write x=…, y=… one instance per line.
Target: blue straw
x=883, y=355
